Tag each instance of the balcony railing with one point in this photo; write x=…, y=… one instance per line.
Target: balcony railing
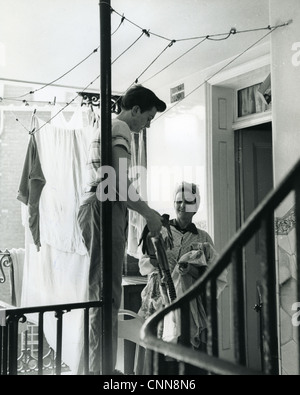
x=11, y=361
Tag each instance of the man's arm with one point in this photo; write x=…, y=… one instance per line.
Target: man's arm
x=127, y=192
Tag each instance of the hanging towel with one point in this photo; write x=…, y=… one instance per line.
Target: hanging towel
x=31, y=185
x=63, y=156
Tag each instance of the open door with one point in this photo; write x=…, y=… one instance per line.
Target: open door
x=255, y=170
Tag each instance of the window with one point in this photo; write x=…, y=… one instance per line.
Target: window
x=251, y=101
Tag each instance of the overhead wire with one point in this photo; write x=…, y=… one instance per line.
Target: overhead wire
x=143, y=72
x=17, y=120
x=219, y=71
x=171, y=42
x=157, y=57
x=120, y=24
x=130, y=46
x=67, y=72
x=139, y=27
x=208, y=36
x=174, y=61
x=212, y=37
x=26, y=102
x=147, y=32
x=64, y=107
x=52, y=82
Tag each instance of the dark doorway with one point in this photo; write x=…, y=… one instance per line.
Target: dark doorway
x=254, y=179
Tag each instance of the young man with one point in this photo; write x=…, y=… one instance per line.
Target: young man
x=139, y=107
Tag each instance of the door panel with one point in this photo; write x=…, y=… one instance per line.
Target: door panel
x=256, y=170
x=224, y=203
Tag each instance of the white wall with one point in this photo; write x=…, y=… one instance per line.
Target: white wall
x=285, y=73
x=178, y=137
x=176, y=152
x=285, y=79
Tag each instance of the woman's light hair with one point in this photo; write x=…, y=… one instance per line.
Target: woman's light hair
x=189, y=187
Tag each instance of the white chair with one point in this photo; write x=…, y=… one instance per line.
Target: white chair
x=129, y=329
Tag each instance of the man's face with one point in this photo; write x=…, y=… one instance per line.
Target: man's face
x=142, y=120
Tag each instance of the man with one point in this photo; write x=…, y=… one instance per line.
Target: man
x=138, y=108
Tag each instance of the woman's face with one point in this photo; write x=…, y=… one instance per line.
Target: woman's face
x=185, y=206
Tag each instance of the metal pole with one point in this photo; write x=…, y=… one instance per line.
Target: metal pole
x=106, y=206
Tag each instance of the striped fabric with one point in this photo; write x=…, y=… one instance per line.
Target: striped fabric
x=121, y=136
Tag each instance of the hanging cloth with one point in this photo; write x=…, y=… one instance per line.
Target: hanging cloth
x=136, y=222
x=63, y=154
x=31, y=185
x=59, y=272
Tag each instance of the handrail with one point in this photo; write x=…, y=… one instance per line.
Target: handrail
x=47, y=308
x=251, y=225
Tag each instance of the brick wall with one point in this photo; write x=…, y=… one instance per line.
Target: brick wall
x=13, y=148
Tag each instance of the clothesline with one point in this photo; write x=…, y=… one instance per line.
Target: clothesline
x=73, y=88
x=270, y=30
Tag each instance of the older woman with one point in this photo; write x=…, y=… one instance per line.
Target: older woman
x=192, y=252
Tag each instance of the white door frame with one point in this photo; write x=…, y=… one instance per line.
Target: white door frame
x=253, y=70
x=228, y=78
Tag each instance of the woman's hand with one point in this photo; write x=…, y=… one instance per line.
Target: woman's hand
x=183, y=268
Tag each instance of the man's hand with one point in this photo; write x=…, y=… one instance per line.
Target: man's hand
x=153, y=260
x=154, y=222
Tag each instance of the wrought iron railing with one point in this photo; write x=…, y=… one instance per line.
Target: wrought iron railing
x=261, y=220
x=6, y=269
x=5, y=262
x=12, y=362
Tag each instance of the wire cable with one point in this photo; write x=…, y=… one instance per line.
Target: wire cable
x=17, y=120
x=208, y=36
x=171, y=42
x=120, y=24
x=63, y=108
x=137, y=79
x=52, y=82
x=219, y=71
x=175, y=60
x=18, y=98
x=118, y=57
x=139, y=27
x=159, y=55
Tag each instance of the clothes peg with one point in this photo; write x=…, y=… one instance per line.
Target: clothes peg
x=32, y=127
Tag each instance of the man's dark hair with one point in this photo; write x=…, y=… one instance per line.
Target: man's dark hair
x=142, y=97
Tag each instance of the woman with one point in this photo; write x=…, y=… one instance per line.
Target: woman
x=192, y=252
